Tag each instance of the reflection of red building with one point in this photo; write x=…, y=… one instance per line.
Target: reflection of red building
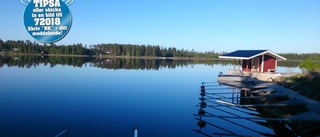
x=255, y=60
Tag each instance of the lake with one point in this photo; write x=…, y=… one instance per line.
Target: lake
x=42, y=96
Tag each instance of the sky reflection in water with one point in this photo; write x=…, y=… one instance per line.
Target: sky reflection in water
x=43, y=101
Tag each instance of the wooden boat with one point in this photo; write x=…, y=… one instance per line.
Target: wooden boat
x=223, y=78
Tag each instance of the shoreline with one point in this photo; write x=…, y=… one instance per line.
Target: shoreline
x=111, y=56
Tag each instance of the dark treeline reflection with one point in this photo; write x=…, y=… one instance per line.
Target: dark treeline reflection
x=113, y=63
x=34, y=61
x=291, y=64
x=150, y=64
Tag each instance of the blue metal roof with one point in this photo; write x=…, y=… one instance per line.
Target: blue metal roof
x=248, y=54
x=244, y=53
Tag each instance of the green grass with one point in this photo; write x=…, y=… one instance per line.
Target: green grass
x=307, y=84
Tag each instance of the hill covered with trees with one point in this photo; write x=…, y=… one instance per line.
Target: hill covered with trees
x=114, y=49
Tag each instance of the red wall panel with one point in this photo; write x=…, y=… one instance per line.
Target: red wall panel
x=269, y=63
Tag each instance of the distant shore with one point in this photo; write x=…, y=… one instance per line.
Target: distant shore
x=112, y=56
x=107, y=56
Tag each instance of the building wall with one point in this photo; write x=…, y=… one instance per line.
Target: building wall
x=256, y=65
x=269, y=63
x=260, y=65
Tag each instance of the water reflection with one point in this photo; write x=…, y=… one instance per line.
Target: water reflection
x=108, y=63
x=104, y=102
x=114, y=63
x=42, y=101
x=278, y=110
x=252, y=110
x=219, y=110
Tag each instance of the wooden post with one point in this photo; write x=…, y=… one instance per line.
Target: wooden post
x=247, y=67
x=258, y=68
x=239, y=65
x=234, y=64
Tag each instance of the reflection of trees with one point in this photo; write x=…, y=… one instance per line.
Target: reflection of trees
x=34, y=61
x=113, y=63
x=151, y=64
x=291, y=64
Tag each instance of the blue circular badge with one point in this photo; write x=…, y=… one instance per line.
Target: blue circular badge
x=47, y=20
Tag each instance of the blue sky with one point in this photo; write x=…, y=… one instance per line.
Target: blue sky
x=282, y=26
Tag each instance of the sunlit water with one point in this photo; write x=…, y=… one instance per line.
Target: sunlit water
x=94, y=102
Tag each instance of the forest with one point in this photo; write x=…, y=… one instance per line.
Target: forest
x=28, y=47
x=114, y=49
x=113, y=63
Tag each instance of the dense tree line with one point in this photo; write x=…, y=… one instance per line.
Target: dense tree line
x=148, y=50
x=302, y=56
x=28, y=47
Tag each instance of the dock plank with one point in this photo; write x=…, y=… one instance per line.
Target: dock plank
x=314, y=106
x=310, y=116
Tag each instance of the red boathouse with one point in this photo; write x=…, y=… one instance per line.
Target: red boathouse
x=255, y=60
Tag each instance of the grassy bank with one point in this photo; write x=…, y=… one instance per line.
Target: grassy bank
x=307, y=84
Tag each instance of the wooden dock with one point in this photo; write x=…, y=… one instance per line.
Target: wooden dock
x=282, y=109
x=310, y=116
x=279, y=108
x=314, y=106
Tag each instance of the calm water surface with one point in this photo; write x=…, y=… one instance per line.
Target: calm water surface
x=42, y=101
